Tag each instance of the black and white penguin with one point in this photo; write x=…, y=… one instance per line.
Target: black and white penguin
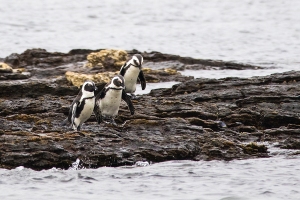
x=83, y=105
x=131, y=71
x=109, y=99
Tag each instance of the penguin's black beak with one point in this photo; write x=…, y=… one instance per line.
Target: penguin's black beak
x=122, y=84
x=137, y=64
x=96, y=88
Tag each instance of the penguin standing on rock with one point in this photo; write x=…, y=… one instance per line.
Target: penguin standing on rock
x=82, y=107
x=131, y=71
x=109, y=99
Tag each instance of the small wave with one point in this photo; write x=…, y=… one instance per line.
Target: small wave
x=77, y=165
x=142, y=164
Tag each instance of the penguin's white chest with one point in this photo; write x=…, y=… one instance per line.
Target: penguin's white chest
x=86, y=111
x=130, y=78
x=110, y=104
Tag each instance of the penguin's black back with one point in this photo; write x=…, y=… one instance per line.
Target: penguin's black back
x=79, y=106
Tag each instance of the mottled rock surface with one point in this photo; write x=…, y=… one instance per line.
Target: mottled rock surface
x=198, y=119
x=111, y=59
x=5, y=68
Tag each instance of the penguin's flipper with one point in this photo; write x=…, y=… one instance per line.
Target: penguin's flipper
x=97, y=113
x=74, y=108
x=142, y=80
x=97, y=110
x=122, y=70
x=127, y=99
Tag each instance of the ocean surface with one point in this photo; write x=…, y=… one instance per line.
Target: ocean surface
x=259, y=32
x=274, y=178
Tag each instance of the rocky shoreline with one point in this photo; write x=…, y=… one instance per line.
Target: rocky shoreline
x=198, y=119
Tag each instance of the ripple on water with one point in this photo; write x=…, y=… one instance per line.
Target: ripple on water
x=265, y=178
x=240, y=31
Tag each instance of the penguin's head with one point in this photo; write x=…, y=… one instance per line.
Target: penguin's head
x=118, y=81
x=137, y=60
x=89, y=86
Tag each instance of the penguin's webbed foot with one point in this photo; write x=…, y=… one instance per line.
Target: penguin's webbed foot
x=108, y=120
x=117, y=125
x=122, y=125
x=112, y=122
x=133, y=96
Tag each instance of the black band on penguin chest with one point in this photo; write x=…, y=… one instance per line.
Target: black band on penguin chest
x=103, y=94
x=116, y=88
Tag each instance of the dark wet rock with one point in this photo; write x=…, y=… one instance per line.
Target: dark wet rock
x=43, y=64
x=181, y=63
x=165, y=64
x=15, y=76
x=7, y=72
x=164, y=75
x=291, y=143
x=198, y=119
x=34, y=88
x=44, y=59
x=254, y=148
x=13, y=60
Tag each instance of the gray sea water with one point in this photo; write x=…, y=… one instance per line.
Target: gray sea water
x=271, y=178
x=260, y=32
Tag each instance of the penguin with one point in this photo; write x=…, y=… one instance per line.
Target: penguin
x=82, y=107
x=109, y=98
x=131, y=71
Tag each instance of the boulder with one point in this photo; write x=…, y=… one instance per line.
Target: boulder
x=77, y=79
x=110, y=59
x=5, y=68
